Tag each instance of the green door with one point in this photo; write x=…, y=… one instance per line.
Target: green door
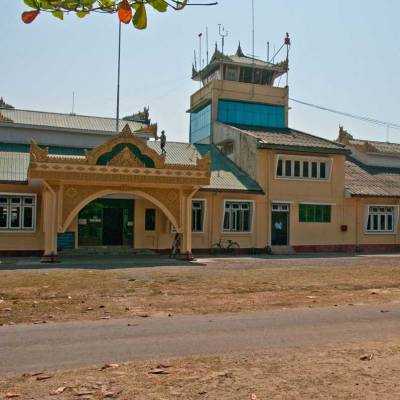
x=280, y=225
x=113, y=226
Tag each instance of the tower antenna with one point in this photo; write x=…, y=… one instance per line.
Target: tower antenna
x=73, y=104
x=287, y=43
x=207, y=43
x=223, y=33
x=200, y=60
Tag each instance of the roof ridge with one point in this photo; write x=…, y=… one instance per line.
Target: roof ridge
x=64, y=114
x=341, y=145
x=373, y=141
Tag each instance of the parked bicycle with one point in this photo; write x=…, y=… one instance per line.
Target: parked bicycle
x=225, y=245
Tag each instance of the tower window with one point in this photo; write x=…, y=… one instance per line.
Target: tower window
x=200, y=124
x=251, y=114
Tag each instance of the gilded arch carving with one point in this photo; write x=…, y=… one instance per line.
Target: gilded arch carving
x=77, y=197
x=125, y=138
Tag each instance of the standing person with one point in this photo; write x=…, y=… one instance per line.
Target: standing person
x=163, y=139
x=176, y=246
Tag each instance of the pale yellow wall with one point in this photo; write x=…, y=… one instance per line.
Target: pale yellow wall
x=20, y=240
x=244, y=147
x=345, y=211
x=162, y=237
x=362, y=237
x=297, y=191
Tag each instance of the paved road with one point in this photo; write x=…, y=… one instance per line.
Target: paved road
x=25, y=348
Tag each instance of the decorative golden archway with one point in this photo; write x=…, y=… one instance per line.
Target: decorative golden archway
x=123, y=164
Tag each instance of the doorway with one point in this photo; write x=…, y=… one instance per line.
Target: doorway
x=113, y=228
x=280, y=224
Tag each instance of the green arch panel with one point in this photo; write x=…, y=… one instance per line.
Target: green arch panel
x=106, y=157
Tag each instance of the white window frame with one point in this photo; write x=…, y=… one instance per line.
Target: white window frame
x=204, y=201
x=395, y=218
x=252, y=211
x=302, y=159
x=21, y=228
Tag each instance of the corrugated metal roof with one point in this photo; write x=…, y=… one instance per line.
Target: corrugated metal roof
x=225, y=175
x=292, y=138
x=100, y=125
x=362, y=180
x=13, y=166
x=177, y=152
x=378, y=147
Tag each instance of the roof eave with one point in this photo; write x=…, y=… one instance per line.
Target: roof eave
x=386, y=196
x=302, y=149
x=13, y=182
x=243, y=191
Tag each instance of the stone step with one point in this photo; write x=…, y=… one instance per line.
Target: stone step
x=282, y=250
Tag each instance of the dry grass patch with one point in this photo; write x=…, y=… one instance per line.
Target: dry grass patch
x=45, y=295
x=308, y=373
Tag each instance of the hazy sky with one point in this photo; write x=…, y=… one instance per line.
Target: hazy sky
x=345, y=55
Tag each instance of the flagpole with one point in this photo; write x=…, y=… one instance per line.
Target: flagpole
x=119, y=76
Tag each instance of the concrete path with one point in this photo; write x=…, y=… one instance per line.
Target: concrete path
x=25, y=348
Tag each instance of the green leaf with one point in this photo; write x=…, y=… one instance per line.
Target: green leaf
x=181, y=4
x=159, y=5
x=58, y=14
x=82, y=14
x=33, y=3
x=140, y=18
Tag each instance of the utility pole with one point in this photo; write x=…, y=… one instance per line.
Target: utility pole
x=119, y=76
x=252, y=41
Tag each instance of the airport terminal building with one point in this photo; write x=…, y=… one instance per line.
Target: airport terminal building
x=73, y=182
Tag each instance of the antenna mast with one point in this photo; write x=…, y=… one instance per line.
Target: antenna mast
x=287, y=43
x=207, y=43
x=73, y=104
x=223, y=33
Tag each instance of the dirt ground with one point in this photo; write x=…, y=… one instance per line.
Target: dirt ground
x=224, y=285
x=308, y=373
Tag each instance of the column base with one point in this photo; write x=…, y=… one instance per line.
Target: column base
x=50, y=258
x=188, y=256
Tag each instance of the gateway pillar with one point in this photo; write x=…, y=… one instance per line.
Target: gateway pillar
x=186, y=248
x=49, y=226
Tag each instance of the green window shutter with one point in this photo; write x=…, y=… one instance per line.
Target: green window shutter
x=314, y=213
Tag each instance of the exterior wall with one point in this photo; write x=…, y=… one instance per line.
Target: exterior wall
x=304, y=237
x=162, y=237
x=20, y=241
x=244, y=147
x=296, y=191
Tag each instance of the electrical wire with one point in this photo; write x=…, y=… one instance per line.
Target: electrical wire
x=370, y=120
